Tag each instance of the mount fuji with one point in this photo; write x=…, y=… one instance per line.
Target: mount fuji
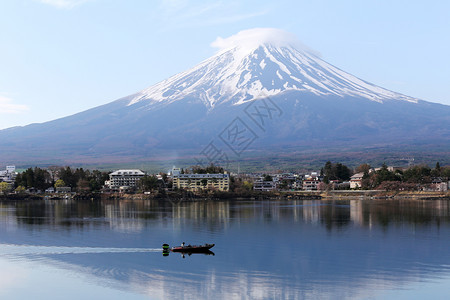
x=261, y=62
x=262, y=91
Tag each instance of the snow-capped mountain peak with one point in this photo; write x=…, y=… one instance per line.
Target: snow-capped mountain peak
x=258, y=63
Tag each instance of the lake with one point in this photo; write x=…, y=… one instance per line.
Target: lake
x=273, y=249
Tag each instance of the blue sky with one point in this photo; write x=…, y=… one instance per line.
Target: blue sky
x=60, y=57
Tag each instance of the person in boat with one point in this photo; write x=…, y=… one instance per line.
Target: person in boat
x=182, y=244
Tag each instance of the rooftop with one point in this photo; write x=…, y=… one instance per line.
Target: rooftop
x=127, y=172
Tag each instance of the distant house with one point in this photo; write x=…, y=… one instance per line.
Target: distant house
x=439, y=185
x=8, y=175
x=264, y=186
x=286, y=181
x=298, y=184
x=442, y=187
x=311, y=183
x=356, y=180
x=124, y=178
x=342, y=185
x=50, y=190
x=391, y=169
x=63, y=189
x=33, y=190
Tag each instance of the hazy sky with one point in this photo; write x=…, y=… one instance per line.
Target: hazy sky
x=60, y=57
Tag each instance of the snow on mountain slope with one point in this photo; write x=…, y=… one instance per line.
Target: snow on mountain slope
x=257, y=63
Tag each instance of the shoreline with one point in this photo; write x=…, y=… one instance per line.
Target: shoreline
x=287, y=195
x=382, y=194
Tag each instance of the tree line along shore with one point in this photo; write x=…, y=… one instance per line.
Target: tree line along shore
x=333, y=180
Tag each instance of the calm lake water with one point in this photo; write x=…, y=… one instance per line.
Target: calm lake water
x=355, y=249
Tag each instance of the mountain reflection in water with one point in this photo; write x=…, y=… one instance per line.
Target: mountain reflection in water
x=264, y=249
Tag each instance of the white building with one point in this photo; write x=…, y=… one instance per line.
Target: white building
x=175, y=171
x=124, y=178
x=356, y=180
x=8, y=175
x=311, y=184
x=196, y=182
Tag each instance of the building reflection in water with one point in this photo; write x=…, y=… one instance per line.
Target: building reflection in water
x=132, y=215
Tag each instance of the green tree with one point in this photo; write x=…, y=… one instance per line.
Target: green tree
x=267, y=178
x=20, y=189
x=97, y=180
x=336, y=171
x=327, y=171
x=247, y=185
x=4, y=187
x=60, y=183
x=68, y=176
x=436, y=172
x=363, y=168
x=25, y=179
x=383, y=174
x=366, y=181
x=37, y=178
x=80, y=173
x=418, y=174
x=148, y=183
x=240, y=186
x=29, y=178
x=83, y=185
x=343, y=172
x=445, y=172
x=42, y=179
x=211, y=169
x=284, y=184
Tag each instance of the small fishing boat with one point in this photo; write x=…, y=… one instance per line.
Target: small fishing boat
x=189, y=248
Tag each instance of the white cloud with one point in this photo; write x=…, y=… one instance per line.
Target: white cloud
x=251, y=38
x=7, y=107
x=66, y=4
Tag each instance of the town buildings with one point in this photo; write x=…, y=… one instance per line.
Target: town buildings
x=128, y=179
